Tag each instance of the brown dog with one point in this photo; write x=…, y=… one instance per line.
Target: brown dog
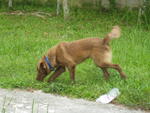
x=69, y=54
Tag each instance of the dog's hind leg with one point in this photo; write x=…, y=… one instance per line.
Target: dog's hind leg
x=104, y=62
x=114, y=66
x=57, y=73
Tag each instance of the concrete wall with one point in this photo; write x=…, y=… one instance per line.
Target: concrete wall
x=129, y=3
x=106, y=3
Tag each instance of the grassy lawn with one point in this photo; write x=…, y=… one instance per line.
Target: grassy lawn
x=24, y=39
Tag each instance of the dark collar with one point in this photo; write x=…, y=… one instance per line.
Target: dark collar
x=49, y=64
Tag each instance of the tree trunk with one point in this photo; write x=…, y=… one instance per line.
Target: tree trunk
x=10, y=4
x=58, y=6
x=66, y=9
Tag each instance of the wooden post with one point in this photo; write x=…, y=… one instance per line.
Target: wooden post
x=65, y=9
x=105, y=4
x=10, y=5
x=58, y=6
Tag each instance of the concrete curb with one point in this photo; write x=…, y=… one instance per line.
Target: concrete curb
x=19, y=101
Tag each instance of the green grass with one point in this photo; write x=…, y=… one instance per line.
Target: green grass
x=24, y=39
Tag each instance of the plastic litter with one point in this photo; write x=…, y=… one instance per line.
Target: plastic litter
x=107, y=98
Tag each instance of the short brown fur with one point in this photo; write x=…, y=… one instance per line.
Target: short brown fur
x=69, y=54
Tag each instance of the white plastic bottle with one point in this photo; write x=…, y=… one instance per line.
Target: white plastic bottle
x=107, y=98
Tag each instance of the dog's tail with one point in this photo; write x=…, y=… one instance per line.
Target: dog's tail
x=115, y=33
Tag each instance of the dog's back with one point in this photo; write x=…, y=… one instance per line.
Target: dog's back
x=79, y=50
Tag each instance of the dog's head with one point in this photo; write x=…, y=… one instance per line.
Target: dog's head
x=46, y=65
x=42, y=69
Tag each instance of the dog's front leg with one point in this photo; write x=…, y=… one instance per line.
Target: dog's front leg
x=57, y=73
x=72, y=73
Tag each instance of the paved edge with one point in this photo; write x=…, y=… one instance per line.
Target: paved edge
x=23, y=101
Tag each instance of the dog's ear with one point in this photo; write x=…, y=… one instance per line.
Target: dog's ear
x=42, y=65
